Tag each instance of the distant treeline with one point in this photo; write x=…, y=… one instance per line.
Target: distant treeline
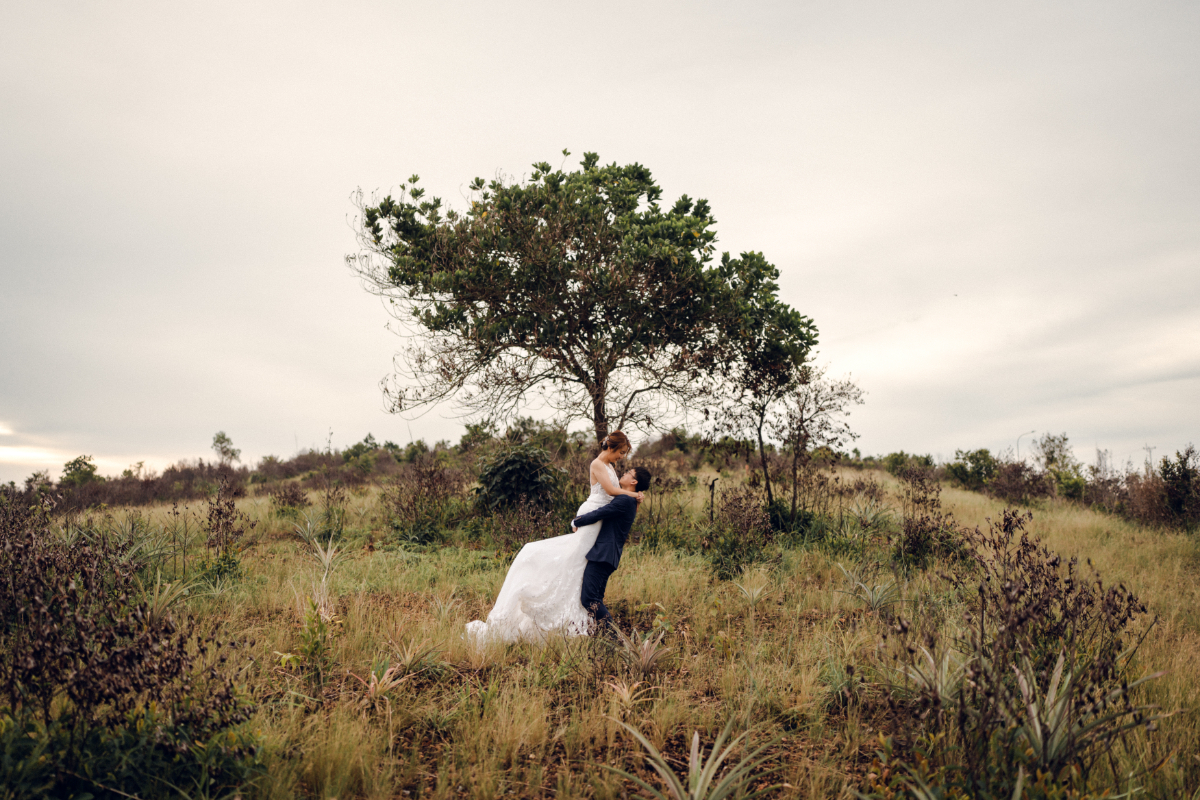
x=82, y=487
x=1163, y=494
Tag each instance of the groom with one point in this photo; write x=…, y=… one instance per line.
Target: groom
x=605, y=555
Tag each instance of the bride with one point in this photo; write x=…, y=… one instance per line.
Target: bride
x=541, y=592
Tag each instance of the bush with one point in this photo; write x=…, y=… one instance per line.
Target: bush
x=512, y=528
x=741, y=531
x=1034, y=693
x=1017, y=482
x=288, y=499
x=180, y=482
x=79, y=470
x=926, y=532
x=519, y=472
x=1181, y=487
x=224, y=526
x=895, y=463
x=424, y=499
x=102, y=693
x=972, y=469
x=662, y=520
x=779, y=514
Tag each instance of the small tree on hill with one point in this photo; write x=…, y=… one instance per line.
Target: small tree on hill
x=813, y=416
x=222, y=445
x=78, y=471
x=576, y=286
x=767, y=363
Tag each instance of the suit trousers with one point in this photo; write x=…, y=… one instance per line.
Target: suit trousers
x=595, y=581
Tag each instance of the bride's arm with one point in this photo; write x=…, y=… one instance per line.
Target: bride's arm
x=603, y=477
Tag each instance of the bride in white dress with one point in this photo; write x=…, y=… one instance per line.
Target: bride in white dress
x=541, y=591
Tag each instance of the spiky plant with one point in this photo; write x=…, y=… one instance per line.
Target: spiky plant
x=876, y=596
x=162, y=596
x=701, y=781
x=938, y=677
x=445, y=606
x=755, y=588
x=326, y=555
x=871, y=514
x=307, y=531
x=641, y=652
x=381, y=681
x=413, y=656
x=628, y=696
x=1063, y=723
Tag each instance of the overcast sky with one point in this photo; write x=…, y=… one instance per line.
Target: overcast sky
x=991, y=211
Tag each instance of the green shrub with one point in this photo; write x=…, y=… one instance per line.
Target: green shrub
x=895, y=463
x=972, y=469
x=662, y=538
x=1063, y=471
x=288, y=499
x=739, y=535
x=779, y=515
x=926, y=532
x=730, y=552
x=102, y=692
x=425, y=499
x=79, y=470
x=519, y=471
x=145, y=754
x=1033, y=696
x=1070, y=486
x=510, y=529
x=1181, y=479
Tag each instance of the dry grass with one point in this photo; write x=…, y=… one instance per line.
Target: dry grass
x=537, y=721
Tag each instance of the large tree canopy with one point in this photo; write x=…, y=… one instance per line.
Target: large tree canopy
x=577, y=287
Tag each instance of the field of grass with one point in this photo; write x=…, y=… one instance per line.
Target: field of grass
x=525, y=720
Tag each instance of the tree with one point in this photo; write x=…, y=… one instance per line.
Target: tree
x=813, y=416
x=768, y=360
x=78, y=471
x=577, y=285
x=1056, y=457
x=1181, y=481
x=973, y=469
x=222, y=445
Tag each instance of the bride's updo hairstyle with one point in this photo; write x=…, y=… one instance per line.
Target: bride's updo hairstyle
x=615, y=441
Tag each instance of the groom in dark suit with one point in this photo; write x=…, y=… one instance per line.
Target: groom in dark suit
x=605, y=555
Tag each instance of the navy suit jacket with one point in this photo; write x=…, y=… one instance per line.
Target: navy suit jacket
x=616, y=518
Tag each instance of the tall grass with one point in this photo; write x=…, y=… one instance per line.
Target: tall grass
x=795, y=654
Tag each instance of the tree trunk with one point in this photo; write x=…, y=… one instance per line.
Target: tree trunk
x=599, y=412
x=762, y=454
x=795, y=482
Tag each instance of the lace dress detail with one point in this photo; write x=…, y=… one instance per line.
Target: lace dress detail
x=541, y=592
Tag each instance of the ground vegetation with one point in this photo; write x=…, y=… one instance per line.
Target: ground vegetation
x=909, y=639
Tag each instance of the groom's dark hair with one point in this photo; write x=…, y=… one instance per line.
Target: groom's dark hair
x=643, y=478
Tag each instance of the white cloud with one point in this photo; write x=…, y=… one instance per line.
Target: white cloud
x=30, y=456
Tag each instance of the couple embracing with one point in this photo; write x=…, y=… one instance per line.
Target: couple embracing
x=558, y=584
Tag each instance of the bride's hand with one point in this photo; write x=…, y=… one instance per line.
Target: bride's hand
x=640, y=496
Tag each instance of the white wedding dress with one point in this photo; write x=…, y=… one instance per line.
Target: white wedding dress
x=540, y=594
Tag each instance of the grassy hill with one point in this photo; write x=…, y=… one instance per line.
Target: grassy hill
x=363, y=685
